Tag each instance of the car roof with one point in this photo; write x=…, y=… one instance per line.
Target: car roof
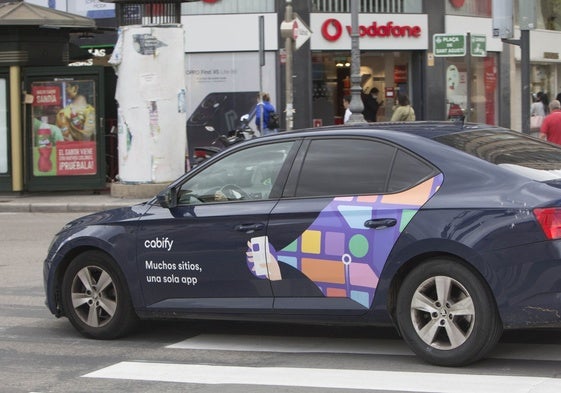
x=426, y=129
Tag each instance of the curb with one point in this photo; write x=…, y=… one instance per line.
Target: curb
x=77, y=207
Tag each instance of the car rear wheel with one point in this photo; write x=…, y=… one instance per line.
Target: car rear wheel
x=95, y=299
x=446, y=314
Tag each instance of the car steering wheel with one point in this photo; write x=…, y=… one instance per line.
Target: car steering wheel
x=233, y=192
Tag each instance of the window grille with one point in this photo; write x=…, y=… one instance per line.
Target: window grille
x=155, y=13
x=365, y=6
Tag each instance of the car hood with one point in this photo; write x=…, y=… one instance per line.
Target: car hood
x=118, y=215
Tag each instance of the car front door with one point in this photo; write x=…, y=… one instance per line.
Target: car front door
x=193, y=256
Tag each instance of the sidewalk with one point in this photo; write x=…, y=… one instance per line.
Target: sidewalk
x=64, y=202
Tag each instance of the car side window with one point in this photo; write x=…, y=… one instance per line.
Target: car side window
x=247, y=174
x=408, y=171
x=345, y=167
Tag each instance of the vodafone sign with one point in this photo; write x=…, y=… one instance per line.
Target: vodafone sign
x=332, y=29
x=376, y=31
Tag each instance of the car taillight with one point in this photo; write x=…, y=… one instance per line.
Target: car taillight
x=550, y=221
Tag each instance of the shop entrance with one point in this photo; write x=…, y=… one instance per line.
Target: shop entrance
x=384, y=75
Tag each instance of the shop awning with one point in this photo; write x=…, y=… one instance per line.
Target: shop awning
x=18, y=13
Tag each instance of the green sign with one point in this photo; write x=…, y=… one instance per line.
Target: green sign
x=478, y=45
x=449, y=45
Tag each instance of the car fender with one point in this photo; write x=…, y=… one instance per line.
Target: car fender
x=115, y=240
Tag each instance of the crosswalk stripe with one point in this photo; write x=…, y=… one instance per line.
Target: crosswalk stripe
x=347, y=345
x=327, y=378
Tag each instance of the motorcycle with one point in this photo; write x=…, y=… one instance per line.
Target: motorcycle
x=241, y=133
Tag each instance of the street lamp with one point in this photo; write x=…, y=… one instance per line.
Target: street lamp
x=356, y=106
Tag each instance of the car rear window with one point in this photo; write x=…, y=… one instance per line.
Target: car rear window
x=515, y=151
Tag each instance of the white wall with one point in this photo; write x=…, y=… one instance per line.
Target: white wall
x=228, y=33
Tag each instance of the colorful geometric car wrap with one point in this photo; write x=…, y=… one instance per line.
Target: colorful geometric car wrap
x=338, y=252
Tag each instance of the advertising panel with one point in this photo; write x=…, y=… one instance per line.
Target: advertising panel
x=222, y=87
x=95, y=9
x=64, y=128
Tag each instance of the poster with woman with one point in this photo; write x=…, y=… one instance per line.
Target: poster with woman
x=64, y=128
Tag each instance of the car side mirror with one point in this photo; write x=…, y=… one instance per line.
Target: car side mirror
x=167, y=198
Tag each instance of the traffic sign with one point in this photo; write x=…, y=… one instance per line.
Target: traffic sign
x=449, y=45
x=301, y=32
x=478, y=45
x=297, y=30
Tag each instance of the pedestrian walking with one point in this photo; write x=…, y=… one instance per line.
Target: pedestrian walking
x=346, y=105
x=551, y=126
x=538, y=111
x=404, y=111
x=264, y=114
x=371, y=105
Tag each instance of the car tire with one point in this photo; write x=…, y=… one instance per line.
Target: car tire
x=446, y=314
x=95, y=299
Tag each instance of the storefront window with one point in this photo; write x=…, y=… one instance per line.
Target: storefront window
x=481, y=8
x=3, y=127
x=549, y=15
x=541, y=79
x=484, y=89
x=384, y=75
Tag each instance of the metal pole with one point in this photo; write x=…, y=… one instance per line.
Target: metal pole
x=467, y=115
x=16, y=131
x=356, y=106
x=261, y=64
x=288, y=46
x=525, y=79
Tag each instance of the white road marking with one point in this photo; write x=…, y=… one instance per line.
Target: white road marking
x=284, y=344
x=327, y=378
x=226, y=342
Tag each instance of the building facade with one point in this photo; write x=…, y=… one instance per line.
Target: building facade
x=227, y=59
x=397, y=56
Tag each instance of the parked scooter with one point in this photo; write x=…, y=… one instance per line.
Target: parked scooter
x=240, y=134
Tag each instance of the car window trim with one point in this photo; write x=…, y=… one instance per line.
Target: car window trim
x=294, y=175
x=277, y=188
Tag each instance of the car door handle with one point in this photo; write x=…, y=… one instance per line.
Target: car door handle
x=380, y=223
x=249, y=228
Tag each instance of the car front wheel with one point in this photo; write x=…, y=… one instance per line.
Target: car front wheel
x=95, y=299
x=446, y=315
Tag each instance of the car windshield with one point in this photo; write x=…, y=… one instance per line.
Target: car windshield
x=520, y=153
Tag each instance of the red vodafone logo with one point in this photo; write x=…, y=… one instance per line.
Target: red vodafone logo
x=332, y=29
x=210, y=1
x=457, y=3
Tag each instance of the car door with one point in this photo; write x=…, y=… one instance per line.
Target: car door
x=342, y=212
x=192, y=256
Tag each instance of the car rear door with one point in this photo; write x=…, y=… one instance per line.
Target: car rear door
x=338, y=220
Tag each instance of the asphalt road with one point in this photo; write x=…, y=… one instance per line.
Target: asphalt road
x=39, y=353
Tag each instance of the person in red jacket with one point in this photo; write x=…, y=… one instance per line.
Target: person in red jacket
x=551, y=126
